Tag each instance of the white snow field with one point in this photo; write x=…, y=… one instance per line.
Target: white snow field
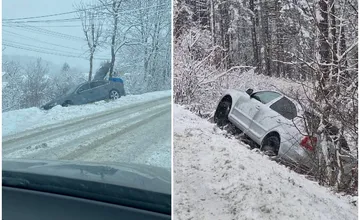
x=133, y=129
x=216, y=177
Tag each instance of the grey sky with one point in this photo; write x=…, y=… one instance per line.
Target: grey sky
x=34, y=39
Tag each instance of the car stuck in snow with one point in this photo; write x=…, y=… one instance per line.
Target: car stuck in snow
x=273, y=121
x=95, y=90
x=89, y=92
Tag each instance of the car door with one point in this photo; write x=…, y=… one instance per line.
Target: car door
x=278, y=113
x=99, y=90
x=247, y=106
x=83, y=94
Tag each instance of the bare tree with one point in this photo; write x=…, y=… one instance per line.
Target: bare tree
x=118, y=30
x=11, y=68
x=11, y=89
x=36, y=84
x=92, y=24
x=65, y=67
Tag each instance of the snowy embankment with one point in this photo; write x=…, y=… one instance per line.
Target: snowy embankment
x=26, y=119
x=220, y=178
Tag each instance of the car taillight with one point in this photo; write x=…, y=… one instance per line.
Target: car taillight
x=309, y=143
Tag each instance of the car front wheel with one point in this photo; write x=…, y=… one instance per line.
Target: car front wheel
x=222, y=113
x=114, y=95
x=66, y=103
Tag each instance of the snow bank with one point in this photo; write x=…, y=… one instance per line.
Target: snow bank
x=220, y=178
x=30, y=118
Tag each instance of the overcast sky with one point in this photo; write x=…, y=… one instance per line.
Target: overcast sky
x=22, y=37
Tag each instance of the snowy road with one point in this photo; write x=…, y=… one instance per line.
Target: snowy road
x=134, y=133
x=216, y=177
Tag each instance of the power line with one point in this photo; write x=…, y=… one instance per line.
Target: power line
x=51, y=53
x=37, y=47
x=11, y=24
x=57, y=14
x=39, y=51
x=37, y=40
x=20, y=20
x=45, y=21
x=48, y=32
x=52, y=26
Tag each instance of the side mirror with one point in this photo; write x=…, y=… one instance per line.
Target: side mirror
x=249, y=91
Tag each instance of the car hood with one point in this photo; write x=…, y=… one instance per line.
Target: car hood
x=141, y=185
x=153, y=178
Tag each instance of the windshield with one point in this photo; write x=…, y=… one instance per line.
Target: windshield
x=48, y=54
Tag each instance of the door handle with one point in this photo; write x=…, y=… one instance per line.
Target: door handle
x=278, y=121
x=257, y=107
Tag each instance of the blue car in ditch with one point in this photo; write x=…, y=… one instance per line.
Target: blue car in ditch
x=89, y=92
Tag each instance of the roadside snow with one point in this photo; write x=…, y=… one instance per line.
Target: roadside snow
x=220, y=178
x=30, y=118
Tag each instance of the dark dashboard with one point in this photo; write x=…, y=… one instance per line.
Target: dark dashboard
x=67, y=190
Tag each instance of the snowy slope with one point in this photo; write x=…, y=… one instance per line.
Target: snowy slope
x=219, y=178
x=30, y=118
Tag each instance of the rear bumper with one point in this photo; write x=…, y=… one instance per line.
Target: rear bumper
x=297, y=155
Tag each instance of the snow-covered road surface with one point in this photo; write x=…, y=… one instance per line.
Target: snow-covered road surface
x=216, y=177
x=132, y=132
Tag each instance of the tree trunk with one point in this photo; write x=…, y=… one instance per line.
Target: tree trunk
x=93, y=46
x=324, y=50
x=267, y=38
x=279, y=43
x=91, y=65
x=212, y=22
x=113, y=38
x=225, y=36
x=255, y=46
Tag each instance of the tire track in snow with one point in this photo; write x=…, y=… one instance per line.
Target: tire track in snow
x=149, y=144
x=46, y=133
x=127, y=127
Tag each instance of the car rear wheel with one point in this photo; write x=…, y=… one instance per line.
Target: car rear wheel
x=271, y=145
x=66, y=103
x=222, y=113
x=114, y=95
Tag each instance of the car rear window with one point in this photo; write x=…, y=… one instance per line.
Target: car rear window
x=285, y=107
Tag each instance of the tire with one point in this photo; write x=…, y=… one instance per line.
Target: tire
x=222, y=113
x=114, y=94
x=66, y=103
x=271, y=145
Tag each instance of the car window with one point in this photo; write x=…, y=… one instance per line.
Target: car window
x=265, y=96
x=83, y=87
x=97, y=84
x=285, y=107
